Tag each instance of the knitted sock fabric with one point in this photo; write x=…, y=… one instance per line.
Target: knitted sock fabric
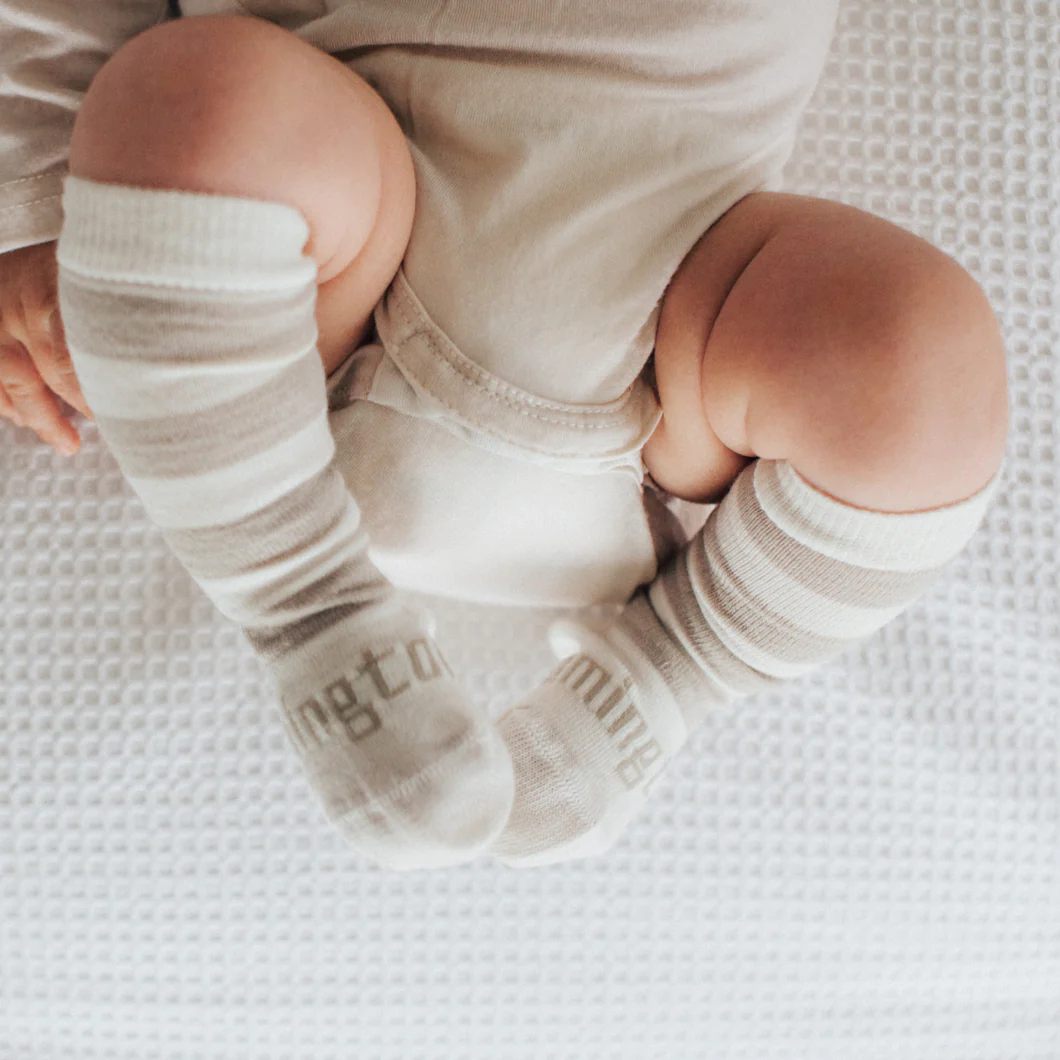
x=781, y=579
x=191, y=325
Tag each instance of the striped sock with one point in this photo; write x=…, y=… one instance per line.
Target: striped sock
x=191, y=324
x=781, y=579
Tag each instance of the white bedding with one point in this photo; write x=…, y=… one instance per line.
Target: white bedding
x=866, y=865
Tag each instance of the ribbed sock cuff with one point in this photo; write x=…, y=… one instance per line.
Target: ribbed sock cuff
x=188, y=239
x=892, y=541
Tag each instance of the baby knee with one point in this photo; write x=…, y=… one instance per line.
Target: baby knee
x=949, y=372
x=883, y=378
x=167, y=103
x=233, y=105
x=839, y=341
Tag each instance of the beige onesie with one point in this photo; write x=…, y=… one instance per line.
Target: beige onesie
x=568, y=155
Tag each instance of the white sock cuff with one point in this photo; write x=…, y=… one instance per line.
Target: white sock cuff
x=892, y=541
x=188, y=239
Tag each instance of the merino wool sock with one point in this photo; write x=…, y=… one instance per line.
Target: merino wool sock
x=190, y=320
x=780, y=579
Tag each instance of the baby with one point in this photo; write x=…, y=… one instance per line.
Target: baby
x=498, y=302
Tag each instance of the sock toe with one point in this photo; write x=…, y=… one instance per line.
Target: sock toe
x=562, y=794
x=443, y=815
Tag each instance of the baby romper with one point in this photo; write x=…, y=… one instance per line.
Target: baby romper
x=568, y=156
x=505, y=374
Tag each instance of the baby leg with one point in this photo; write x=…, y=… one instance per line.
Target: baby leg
x=192, y=319
x=862, y=373
x=807, y=330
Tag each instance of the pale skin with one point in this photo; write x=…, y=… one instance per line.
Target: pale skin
x=795, y=328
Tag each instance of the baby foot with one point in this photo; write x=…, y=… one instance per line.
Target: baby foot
x=412, y=773
x=589, y=742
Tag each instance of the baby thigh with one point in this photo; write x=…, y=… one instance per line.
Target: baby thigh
x=809, y=331
x=232, y=105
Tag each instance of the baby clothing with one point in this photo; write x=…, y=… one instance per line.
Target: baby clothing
x=473, y=488
x=568, y=156
x=781, y=579
x=569, y=153
x=191, y=325
x=490, y=430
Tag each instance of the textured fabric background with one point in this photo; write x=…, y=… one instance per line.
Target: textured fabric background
x=866, y=865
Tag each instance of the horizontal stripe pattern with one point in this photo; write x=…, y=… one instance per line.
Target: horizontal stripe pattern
x=742, y=581
x=215, y=330
x=268, y=534
x=192, y=240
x=896, y=541
x=836, y=580
x=754, y=606
x=281, y=561
x=200, y=363
x=193, y=443
x=273, y=643
x=294, y=585
x=680, y=611
x=202, y=354
x=236, y=490
x=689, y=685
x=167, y=289
x=117, y=390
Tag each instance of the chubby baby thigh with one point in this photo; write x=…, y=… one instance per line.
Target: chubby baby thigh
x=810, y=331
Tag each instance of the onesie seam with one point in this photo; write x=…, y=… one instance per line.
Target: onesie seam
x=463, y=418
x=523, y=398
x=516, y=441
x=527, y=446
x=504, y=436
x=24, y=180
x=515, y=406
x=26, y=205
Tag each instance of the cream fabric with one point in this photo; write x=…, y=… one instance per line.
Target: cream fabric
x=781, y=579
x=568, y=155
x=864, y=863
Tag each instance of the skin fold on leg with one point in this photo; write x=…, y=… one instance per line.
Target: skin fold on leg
x=806, y=330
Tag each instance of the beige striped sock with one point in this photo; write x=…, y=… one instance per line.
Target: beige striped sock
x=191, y=324
x=781, y=579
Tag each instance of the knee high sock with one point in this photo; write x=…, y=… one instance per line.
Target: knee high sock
x=780, y=579
x=191, y=324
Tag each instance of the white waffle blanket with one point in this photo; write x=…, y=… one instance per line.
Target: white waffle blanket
x=864, y=866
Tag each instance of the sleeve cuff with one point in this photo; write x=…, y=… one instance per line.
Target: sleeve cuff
x=31, y=210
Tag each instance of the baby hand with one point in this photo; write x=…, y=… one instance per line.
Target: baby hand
x=34, y=359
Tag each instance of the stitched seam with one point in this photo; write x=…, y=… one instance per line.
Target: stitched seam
x=527, y=446
x=520, y=443
x=25, y=180
x=462, y=373
x=522, y=411
x=462, y=417
x=413, y=311
x=522, y=398
x=32, y=202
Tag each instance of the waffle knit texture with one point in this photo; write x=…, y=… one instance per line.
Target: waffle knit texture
x=864, y=863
